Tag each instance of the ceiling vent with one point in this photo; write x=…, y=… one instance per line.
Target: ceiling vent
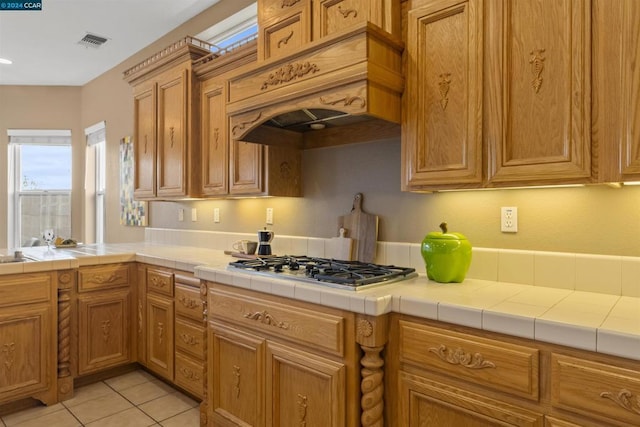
x=92, y=40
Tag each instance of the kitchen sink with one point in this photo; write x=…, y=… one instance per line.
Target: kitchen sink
x=17, y=257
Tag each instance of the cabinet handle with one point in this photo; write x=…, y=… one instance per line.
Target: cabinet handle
x=216, y=137
x=160, y=327
x=188, y=302
x=267, y=319
x=189, y=374
x=9, y=350
x=625, y=399
x=347, y=12
x=157, y=282
x=285, y=39
x=189, y=339
x=460, y=357
x=139, y=317
x=236, y=385
x=537, y=66
x=444, y=85
x=302, y=409
x=106, y=330
x=145, y=144
x=171, y=135
x=288, y=3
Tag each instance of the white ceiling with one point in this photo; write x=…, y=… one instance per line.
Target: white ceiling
x=43, y=45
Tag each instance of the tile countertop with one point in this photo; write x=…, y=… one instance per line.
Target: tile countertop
x=591, y=321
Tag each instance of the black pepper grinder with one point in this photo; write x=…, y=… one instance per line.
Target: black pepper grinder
x=264, y=241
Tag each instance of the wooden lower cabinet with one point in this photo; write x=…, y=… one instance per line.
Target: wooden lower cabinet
x=28, y=329
x=429, y=403
x=160, y=351
x=261, y=374
x=104, y=301
x=439, y=374
x=103, y=331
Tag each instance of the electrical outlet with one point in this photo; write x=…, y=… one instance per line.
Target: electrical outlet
x=194, y=214
x=216, y=215
x=509, y=219
x=180, y=214
x=269, y=220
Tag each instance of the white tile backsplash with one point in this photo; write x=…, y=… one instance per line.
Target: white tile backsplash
x=604, y=274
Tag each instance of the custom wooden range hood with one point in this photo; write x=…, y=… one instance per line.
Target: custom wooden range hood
x=343, y=88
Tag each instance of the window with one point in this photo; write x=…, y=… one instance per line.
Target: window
x=235, y=28
x=39, y=185
x=95, y=179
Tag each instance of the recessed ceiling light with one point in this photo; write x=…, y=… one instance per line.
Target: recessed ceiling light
x=5, y=61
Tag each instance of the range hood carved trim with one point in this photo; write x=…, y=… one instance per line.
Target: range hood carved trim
x=356, y=72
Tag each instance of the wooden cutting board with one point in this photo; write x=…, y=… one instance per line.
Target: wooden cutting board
x=341, y=247
x=362, y=227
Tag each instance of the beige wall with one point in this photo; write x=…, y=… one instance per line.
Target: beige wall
x=39, y=107
x=591, y=219
x=594, y=219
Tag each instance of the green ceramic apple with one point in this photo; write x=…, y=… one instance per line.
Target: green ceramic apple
x=447, y=256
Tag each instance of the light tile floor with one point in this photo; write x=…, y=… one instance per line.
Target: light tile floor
x=135, y=399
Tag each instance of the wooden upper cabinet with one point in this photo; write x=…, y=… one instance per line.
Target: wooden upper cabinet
x=537, y=99
x=215, y=143
x=172, y=133
x=616, y=89
x=442, y=127
x=246, y=168
x=285, y=32
x=144, y=140
x=331, y=16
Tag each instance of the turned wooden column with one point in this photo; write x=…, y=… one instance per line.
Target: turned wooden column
x=371, y=334
x=204, y=406
x=66, y=281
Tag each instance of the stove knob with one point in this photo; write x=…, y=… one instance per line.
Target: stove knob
x=278, y=268
x=294, y=265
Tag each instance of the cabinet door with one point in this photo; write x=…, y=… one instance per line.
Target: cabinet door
x=538, y=93
x=172, y=133
x=236, y=376
x=144, y=141
x=442, y=131
x=285, y=35
x=303, y=389
x=25, y=347
x=616, y=103
x=215, y=142
x=246, y=168
x=330, y=16
x=103, y=330
x=160, y=349
x=426, y=403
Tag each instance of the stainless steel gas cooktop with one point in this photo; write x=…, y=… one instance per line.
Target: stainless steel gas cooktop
x=350, y=275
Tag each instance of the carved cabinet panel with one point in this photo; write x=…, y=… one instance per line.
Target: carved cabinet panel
x=596, y=390
x=442, y=125
x=303, y=389
x=26, y=343
x=537, y=98
x=215, y=140
x=246, y=168
x=144, y=140
x=423, y=402
x=160, y=351
x=616, y=100
x=331, y=16
x=103, y=330
x=236, y=376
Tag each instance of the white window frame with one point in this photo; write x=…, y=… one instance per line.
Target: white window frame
x=96, y=141
x=18, y=138
x=231, y=26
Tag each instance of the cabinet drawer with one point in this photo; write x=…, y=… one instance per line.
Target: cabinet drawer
x=160, y=282
x=190, y=338
x=188, y=302
x=593, y=388
x=25, y=288
x=318, y=330
x=506, y=367
x=189, y=374
x=103, y=277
